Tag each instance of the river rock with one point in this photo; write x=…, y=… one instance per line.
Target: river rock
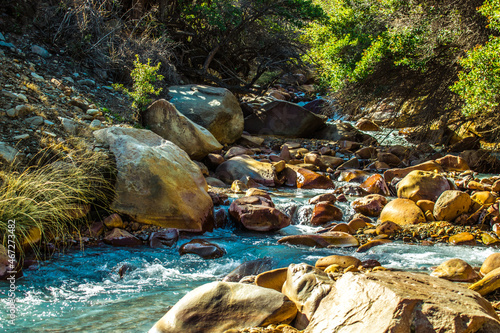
x=327, y=239
x=371, y=205
x=366, y=153
x=113, y=221
x=258, y=214
x=306, y=286
x=491, y=263
x=402, y=212
x=455, y=270
x=120, y=237
x=219, y=306
x=375, y=184
x=376, y=242
x=390, y=174
x=308, y=179
x=273, y=279
x=284, y=119
x=243, y=165
x=324, y=212
x=330, y=197
x=488, y=284
x=463, y=238
x=357, y=223
x=4, y=263
x=238, y=187
x=452, y=163
x=422, y=185
x=252, y=267
x=391, y=159
x=342, y=131
x=385, y=301
x=157, y=183
x=216, y=109
x=204, y=249
x=163, y=238
x=451, y=204
x=387, y=228
x=367, y=125
x=163, y=118
x=342, y=261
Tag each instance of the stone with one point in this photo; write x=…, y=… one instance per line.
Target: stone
x=307, y=179
x=327, y=239
x=357, y=223
x=402, y=212
x=257, y=192
x=455, y=270
x=422, y=185
x=491, y=263
x=258, y=214
x=202, y=248
x=375, y=184
x=391, y=159
x=96, y=229
x=330, y=197
x=376, y=242
x=463, y=238
x=451, y=204
x=426, y=205
x=238, y=187
x=252, y=267
x=481, y=160
x=164, y=238
x=353, y=176
x=483, y=198
x=341, y=131
x=87, y=82
x=390, y=174
x=34, y=122
x=8, y=154
x=386, y=301
x=306, y=286
x=273, y=279
x=387, y=228
x=353, y=163
x=95, y=124
x=219, y=306
x=4, y=263
x=251, y=141
x=367, y=125
x=214, y=160
x=283, y=119
x=343, y=227
x=330, y=161
x=342, y=261
x=236, y=151
x=157, y=183
x=488, y=284
x=215, y=182
x=216, y=109
x=243, y=165
x=325, y=212
x=113, y=221
x=452, y=163
x=120, y=237
x=370, y=205
x=93, y=112
x=165, y=120
x=367, y=153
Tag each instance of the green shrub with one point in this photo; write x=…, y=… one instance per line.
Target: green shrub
x=144, y=76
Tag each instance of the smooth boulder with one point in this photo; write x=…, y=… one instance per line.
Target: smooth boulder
x=216, y=109
x=402, y=212
x=202, y=248
x=242, y=166
x=219, y=306
x=451, y=204
x=258, y=214
x=371, y=205
x=157, y=183
x=422, y=185
x=455, y=270
x=163, y=118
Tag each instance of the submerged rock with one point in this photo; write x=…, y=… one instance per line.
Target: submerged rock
x=163, y=238
x=218, y=306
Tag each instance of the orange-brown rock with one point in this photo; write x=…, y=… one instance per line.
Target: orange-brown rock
x=308, y=179
x=367, y=152
x=455, y=270
x=402, y=212
x=491, y=263
x=353, y=175
x=451, y=204
x=390, y=174
x=273, y=279
x=325, y=212
x=342, y=261
x=483, y=198
x=387, y=228
x=357, y=223
x=330, y=197
x=370, y=205
x=334, y=239
x=375, y=184
x=373, y=243
x=258, y=213
x=120, y=237
x=367, y=125
x=463, y=238
x=426, y=205
x=422, y=185
x=343, y=227
x=251, y=192
x=452, y=163
x=391, y=159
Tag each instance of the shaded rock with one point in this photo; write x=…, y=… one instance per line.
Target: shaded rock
x=163, y=238
x=491, y=263
x=284, y=119
x=388, y=158
x=353, y=163
x=113, y=221
x=258, y=214
x=157, y=183
x=96, y=229
x=216, y=109
x=371, y=205
x=422, y=185
x=488, y=284
x=455, y=270
x=120, y=237
x=252, y=267
x=202, y=248
x=334, y=239
x=402, y=212
x=469, y=143
x=390, y=174
x=387, y=301
x=257, y=192
x=452, y=163
x=316, y=106
x=215, y=182
x=342, y=261
x=273, y=279
x=325, y=212
x=341, y=131
x=218, y=306
x=236, y=151
x=451, y=204
x=353, y=175
x=241, y=166
x=4, y=263
x=238, y=187
x=214, y=160
x=366, y=153
x=7, y=153
x=367, y=125
x=426, y=205
x=481, y=160
x=163, y=118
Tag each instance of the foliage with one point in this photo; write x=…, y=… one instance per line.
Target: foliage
x=144, y=76
x=479, y=83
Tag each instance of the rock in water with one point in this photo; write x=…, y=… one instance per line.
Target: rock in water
x=285, y=119
x=258, y=214
x=157, y=183
x=164, y=119
x=342, y=131
x=204, y=249
x=380, y=302
x=455, y=270
x=252, y=267
x=216, y=109
x=219, y=306
x=243, y=165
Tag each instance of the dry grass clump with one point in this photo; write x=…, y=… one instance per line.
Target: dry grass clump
x=51, y=199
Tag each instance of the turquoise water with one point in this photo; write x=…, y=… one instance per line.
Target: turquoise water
x=83, y=292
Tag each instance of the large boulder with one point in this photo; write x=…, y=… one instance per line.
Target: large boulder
x=163, y=118
x=402, y=212
x=216, y=109
x=325, y=211
x=284, y=119
x=219, y=306
x=384, y=301
x=242, y=166
x=422, y=185
x=370, y=205
x=390, y=174
x=157, y=183
x=258, y=213
x=451, y=204
x=342, y=131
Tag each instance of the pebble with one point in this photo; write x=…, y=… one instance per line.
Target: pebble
x=21, y=137
x=87, y=82
x=95, y=124
x=93, y=112
x=37, y=77
x=34, y=121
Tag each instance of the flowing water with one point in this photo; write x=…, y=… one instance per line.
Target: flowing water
x=83, y=292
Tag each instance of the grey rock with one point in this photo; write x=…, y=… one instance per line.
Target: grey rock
x=69, y=125
x=40, y=51
x=37, y=77
x=95, y=124
x=21, y=137
x=7, y=153
x=34, y=121
x=87, y=82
